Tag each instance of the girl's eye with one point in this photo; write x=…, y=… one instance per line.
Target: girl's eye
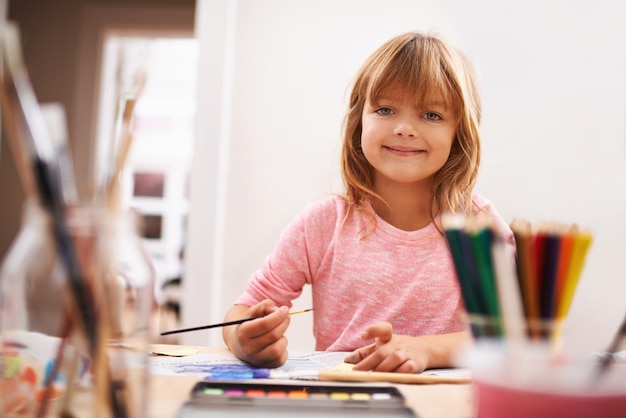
x=432, y=116
x=384, y=111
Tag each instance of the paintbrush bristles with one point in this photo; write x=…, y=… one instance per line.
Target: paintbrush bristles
x=300, y=311
x=123, y=143
x=126, y=139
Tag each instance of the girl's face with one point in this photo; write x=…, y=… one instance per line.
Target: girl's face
x=405, y=144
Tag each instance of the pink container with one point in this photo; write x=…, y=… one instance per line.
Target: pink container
x=499, y=401
x=530, y=381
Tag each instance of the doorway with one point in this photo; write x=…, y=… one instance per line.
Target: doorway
x=162, y=72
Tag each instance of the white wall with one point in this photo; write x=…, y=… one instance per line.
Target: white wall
x=554, y=96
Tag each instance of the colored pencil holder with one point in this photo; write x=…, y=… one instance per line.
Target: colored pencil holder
x=62, y=345
x=484, y=326
x=522, y=296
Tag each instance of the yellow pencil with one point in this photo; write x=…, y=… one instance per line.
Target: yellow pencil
x=582, y=242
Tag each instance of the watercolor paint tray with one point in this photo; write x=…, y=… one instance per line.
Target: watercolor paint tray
x=255, y=399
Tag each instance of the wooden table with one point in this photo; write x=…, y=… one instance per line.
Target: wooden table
x=167, y=393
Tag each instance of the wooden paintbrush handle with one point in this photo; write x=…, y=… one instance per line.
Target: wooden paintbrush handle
x=406, y=378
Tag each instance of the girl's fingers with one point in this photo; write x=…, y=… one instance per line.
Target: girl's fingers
x=382, y=331
x=360, y=353
x=261, y=309
x=383, y=361
x=270, y=336
x=409, y=366
x=273, y=355
x=369, y=362
x=267, y=322
x=398, y=361
x=262, y=340
x=383, y=355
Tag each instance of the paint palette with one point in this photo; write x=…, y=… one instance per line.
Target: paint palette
x=253, y=399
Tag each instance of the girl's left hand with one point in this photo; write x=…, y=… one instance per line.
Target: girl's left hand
x=389, y=352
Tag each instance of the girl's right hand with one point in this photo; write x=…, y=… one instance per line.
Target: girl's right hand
x=260, y=342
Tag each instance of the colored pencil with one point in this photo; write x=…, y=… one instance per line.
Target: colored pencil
x=452, y=234
x=508, y=293
x=549, y=276
x=481, y=242
x=525, y=240
x=565, y=261
x=521, y=232
x=472, y=274
x=582, y=242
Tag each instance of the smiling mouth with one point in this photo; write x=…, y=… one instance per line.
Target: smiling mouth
x=404, y=150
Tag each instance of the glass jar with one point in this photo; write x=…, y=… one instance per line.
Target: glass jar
x=75, y=341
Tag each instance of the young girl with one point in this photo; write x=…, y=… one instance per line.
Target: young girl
x=383, y=281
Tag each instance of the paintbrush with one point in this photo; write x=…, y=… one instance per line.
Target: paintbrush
x=226, y=324
x=609, y=355
x=373, y=376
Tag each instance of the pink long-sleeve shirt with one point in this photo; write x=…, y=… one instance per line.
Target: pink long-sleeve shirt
x=406, y=278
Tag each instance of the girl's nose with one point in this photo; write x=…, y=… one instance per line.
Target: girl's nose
x=405, y=128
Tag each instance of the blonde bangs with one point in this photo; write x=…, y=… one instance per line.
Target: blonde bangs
x=418, y=68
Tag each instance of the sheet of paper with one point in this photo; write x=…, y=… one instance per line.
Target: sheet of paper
x=227, y=365
x=202, y=365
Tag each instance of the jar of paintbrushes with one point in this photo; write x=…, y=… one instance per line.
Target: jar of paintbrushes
x=76, y=287
x=75, y=316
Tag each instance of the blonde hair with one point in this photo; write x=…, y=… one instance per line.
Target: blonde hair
x=425, y=67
